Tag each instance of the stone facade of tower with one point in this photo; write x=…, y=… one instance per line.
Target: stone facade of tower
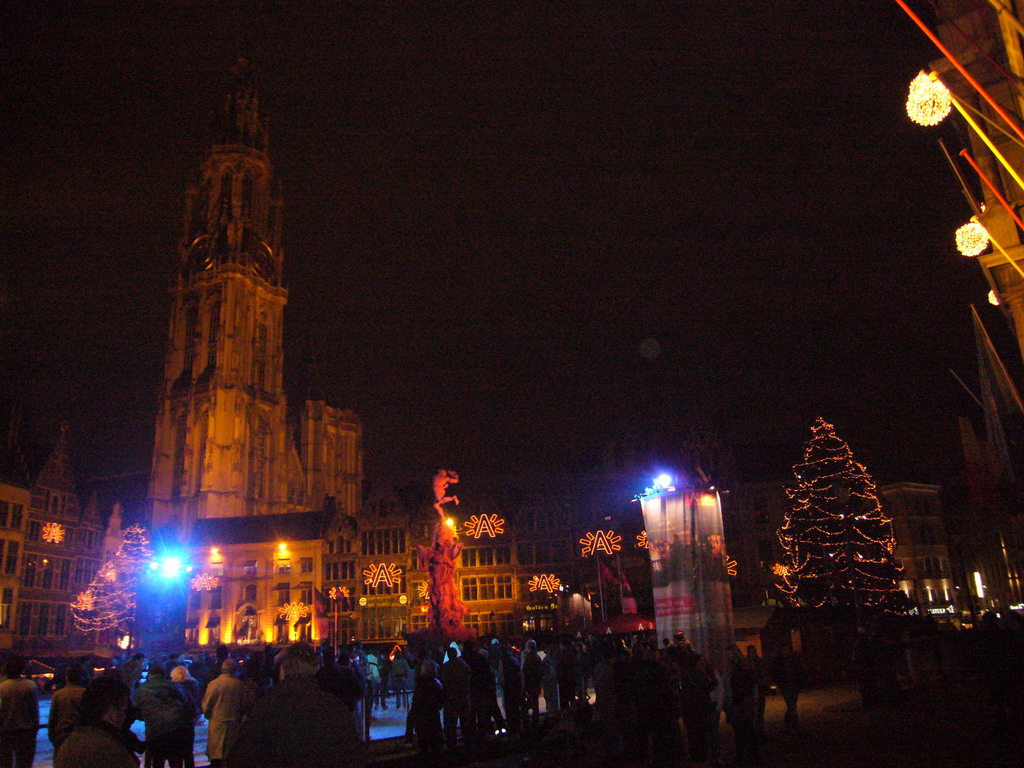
x=223, y=446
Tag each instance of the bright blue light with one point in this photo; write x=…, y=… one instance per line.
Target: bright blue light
x=662, y=482
x=171, y=567
x=154, y=565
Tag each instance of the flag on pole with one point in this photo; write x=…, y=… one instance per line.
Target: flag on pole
x=625, y=591
x=321, y=609
x=606, y=573
x=1004, y=410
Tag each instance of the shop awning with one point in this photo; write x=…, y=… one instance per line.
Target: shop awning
x=304, y=620
x=281, y=621
x=192, y=623
x=213, y=621
x=283, y=585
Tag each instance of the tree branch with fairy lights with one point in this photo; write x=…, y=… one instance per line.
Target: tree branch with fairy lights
x=109, y=601
x=838, y=543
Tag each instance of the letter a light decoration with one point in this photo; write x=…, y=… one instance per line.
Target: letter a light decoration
x=204, y=582
x=491, y=524
x=546, y=581
x=387, y=574
x=53, y=533
x=601, y=541
x=293, y=611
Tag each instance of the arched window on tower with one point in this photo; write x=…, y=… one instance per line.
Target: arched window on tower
x=191, y=320
x=213, y=331
x=225, y=196
x=258, y=457
x=259, y=355
x=180, y=444
x=246, y=196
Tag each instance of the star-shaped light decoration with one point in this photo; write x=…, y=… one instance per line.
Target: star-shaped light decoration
x=336, y=593
x=387, y=574
x=730, y=566
x=546, y=581
x=641, y=540
x=423, y=590
x=53, y=533
x=491, y=524
x=780, y=570
x=601, y=541
x=204, y=582
x=293, y=611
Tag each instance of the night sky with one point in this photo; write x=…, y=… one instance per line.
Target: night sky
x=490, y=211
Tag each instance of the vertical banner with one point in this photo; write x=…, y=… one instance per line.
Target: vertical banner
x=689, y=569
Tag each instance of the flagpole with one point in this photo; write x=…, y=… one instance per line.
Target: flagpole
x=622, y=597
x=600, y=586
x=335, y=627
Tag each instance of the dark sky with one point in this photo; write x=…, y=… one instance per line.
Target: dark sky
x=489, y=207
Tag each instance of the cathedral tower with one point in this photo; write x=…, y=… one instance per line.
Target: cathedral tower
x=221, y=439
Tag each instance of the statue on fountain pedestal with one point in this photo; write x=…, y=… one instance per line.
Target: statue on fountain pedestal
x=446, y=609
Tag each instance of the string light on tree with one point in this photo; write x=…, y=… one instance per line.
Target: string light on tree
x=109, y=601
x=972, y=238
x=600, y=541
x=837, y=541
x=491, y=524
x=928, y=101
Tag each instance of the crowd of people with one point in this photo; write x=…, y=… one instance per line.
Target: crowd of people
x=305, y=706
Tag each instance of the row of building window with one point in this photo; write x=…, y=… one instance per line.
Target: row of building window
x=486, y=588
x=48, y=572
x=9, y=555
x=11, y=515
x=40, y=619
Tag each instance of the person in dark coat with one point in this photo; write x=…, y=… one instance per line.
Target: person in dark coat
x=533, y=681
x=168, y=713
x=98, y=741
x=512, y=684
x=65, y=706
x=483, y=691
x=455, y=677
x=566, y=673
x=425, y=712
x=338, y=678
x=742, y=708
x=788, y=674
x=277, y=731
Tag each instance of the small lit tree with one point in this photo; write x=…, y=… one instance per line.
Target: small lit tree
x=110, y=599
x=838, y=543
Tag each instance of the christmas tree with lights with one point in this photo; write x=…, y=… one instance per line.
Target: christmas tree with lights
x=109, y=601
x=838, y=543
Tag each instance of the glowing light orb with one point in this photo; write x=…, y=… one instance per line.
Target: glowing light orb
x=993, y=299
x=972, y=238
x=928, y=101
x=171, y=567
x=662, y=482
x=546, y=581
x=601, y=541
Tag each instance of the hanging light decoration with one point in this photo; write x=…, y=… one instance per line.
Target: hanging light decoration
x=929, y=101
x=993, y=299
x=972, y=238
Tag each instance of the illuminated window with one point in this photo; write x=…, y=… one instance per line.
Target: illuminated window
x=249, y=568
x=388, y=541
x=11, y=561
x=306, y=565
x=284, y=566
x=6, y=603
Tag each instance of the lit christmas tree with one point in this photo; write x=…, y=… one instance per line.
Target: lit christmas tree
x=838, y=543
x=109, y=601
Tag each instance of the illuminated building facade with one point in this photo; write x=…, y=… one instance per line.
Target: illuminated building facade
x=921, y=548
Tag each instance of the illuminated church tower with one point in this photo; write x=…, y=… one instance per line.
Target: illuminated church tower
x=223, y=447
